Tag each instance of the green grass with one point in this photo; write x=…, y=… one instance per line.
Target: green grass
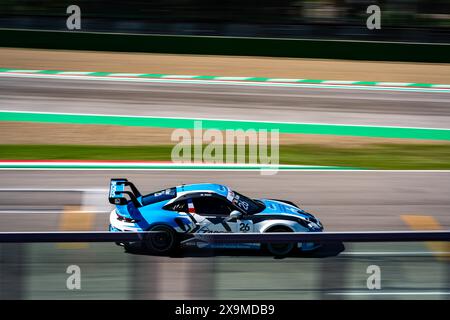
x=376, y=156
x=373, y=156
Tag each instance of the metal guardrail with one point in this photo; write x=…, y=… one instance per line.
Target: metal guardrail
x=72, y=236
x=275, y=237
x=361, y=236
x=54, y=190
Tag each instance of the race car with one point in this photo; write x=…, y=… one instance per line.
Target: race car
x=180, y=212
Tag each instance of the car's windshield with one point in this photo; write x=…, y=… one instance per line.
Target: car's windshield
x=247, y=205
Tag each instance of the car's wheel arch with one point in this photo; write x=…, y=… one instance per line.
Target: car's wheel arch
x=279, y=226
x=268, y=225
x=165, y=224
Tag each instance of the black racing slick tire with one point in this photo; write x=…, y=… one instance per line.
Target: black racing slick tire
x=279, y=249
x=163, y=243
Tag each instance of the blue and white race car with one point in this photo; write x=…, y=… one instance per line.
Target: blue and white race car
x=179, y=212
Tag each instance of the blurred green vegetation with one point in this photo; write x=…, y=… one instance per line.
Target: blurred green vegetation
x=370, y=156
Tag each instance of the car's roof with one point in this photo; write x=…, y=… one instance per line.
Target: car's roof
x=208, y=187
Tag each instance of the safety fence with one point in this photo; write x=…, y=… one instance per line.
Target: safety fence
x=173, y=44
x=275, y=237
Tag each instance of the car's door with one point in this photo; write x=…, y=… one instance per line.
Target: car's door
x=244, y=225
x=215, y=212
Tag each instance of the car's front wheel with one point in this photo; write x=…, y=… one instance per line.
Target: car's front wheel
x=165, y=242
x=279, y=249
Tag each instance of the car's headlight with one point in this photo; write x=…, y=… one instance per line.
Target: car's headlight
x=303, y=222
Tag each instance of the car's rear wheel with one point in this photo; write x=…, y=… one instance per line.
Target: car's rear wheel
x=279, y=249
x=163, y=243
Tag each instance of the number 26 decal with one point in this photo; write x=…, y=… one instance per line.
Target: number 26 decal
x=244, y=227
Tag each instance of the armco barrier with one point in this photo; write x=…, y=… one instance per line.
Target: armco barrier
x=294, y=48
x=361, y=236
x=276, y=237
x=71, y=236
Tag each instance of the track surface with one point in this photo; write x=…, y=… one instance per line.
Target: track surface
x=345, y=106
x=343, y=200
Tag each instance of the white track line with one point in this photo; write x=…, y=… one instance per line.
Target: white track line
x=394, y=253
x=51, y=190
x=125, y=74
x=232, y=78
x=399, y=293
x=177, y=76
x=222, y=170
x=49, y=211
x=285, y=79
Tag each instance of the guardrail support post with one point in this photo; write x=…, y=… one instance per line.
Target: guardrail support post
x=12, y=271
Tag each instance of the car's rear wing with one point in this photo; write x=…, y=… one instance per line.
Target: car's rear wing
x=117, y=192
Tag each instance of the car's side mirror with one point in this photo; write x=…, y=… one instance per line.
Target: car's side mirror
x=235, y=214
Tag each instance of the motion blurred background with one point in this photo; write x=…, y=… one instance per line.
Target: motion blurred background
x=420, y=20
x=401, y=78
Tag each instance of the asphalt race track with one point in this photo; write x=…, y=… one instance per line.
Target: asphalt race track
x=343, y=106
x=356, y=200
x=342, y=200
x=346, y=200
